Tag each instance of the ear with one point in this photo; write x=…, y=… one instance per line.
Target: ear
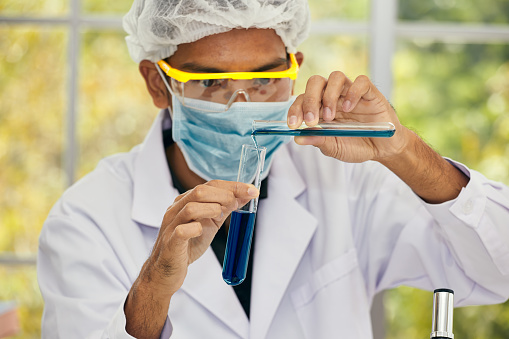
x=300, y=58
x=155, y=85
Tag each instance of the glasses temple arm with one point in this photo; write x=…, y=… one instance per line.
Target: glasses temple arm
x=160, y=71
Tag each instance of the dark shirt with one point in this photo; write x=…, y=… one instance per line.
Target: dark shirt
x=243, y=291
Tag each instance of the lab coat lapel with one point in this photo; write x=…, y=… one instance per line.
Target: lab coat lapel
x=284, y=230
x=204, y=283
x=153, y=191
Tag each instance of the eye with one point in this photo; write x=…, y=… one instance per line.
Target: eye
x=262, y=81
x=210, y=82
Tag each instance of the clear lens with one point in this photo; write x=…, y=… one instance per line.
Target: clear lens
x=227, y=91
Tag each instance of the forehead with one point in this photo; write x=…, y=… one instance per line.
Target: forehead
x=235, y=50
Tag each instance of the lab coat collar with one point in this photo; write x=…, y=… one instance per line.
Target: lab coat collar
x=153, y=190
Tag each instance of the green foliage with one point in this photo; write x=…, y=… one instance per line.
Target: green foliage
x=325, y=54
x=339, y=9
x=115, y=109
x=31, y=131
x=34, y=8
x=492, y=12
x=106, y=7
x=457, y=97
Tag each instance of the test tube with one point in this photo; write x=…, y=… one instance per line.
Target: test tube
x=443, y=306
x=240, y=232
x=332, y=129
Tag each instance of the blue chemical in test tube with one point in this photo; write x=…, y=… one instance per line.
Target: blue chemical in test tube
x=240, y=232
x=236, y=256
x=326, y=129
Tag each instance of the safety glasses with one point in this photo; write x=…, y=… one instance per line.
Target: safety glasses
x=223, y=89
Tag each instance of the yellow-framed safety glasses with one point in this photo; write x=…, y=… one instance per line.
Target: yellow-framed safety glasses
x=186, y=76
x=221, y=90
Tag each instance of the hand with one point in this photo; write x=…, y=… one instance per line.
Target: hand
x=341, y=100
x=188, y=227
x=190, y=224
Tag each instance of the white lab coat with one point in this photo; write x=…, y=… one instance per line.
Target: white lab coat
x=330, y=236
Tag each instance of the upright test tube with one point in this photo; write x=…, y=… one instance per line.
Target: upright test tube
x=240, y=232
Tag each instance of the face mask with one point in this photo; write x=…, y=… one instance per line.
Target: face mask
x=212, y=142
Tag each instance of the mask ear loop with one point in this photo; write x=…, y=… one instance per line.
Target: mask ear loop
x=160, y=71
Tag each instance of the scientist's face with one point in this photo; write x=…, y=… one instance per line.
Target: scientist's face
x=239, y=50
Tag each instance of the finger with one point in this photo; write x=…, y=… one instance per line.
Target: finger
x=225, y=199
x=241, y=192
x=206, y=193
x=361, y=88
x=309, y=140
x=179, y=197
x=194, y=211
x=295, y=114
x=312, y=99
x=239, y=189
x=229, y=195
x=337, y=85
x=184, y=232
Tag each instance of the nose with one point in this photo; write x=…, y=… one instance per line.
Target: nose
x=233, y=86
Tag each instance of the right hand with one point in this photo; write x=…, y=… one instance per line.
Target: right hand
x=189, y=226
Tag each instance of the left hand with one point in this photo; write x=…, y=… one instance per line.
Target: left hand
x=341, y=100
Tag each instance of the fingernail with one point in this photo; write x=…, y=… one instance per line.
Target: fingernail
x=346, y=105
x=292, y=120
x=252, y=191
x=327, y=113
x=309, y=117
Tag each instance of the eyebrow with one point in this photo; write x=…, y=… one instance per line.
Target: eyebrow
x=197, y=68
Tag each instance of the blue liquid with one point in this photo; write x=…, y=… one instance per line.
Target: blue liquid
x=238, y=245
x=327, y=132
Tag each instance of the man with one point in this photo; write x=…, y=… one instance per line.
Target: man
x=332, y=230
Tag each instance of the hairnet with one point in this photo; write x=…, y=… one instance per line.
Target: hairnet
x=156, y=27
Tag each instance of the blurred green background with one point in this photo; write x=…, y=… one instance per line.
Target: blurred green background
x=454, y=94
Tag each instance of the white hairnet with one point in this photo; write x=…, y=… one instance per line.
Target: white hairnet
x=156, y=27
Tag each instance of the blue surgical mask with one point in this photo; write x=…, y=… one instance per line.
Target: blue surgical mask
x=212, y=142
